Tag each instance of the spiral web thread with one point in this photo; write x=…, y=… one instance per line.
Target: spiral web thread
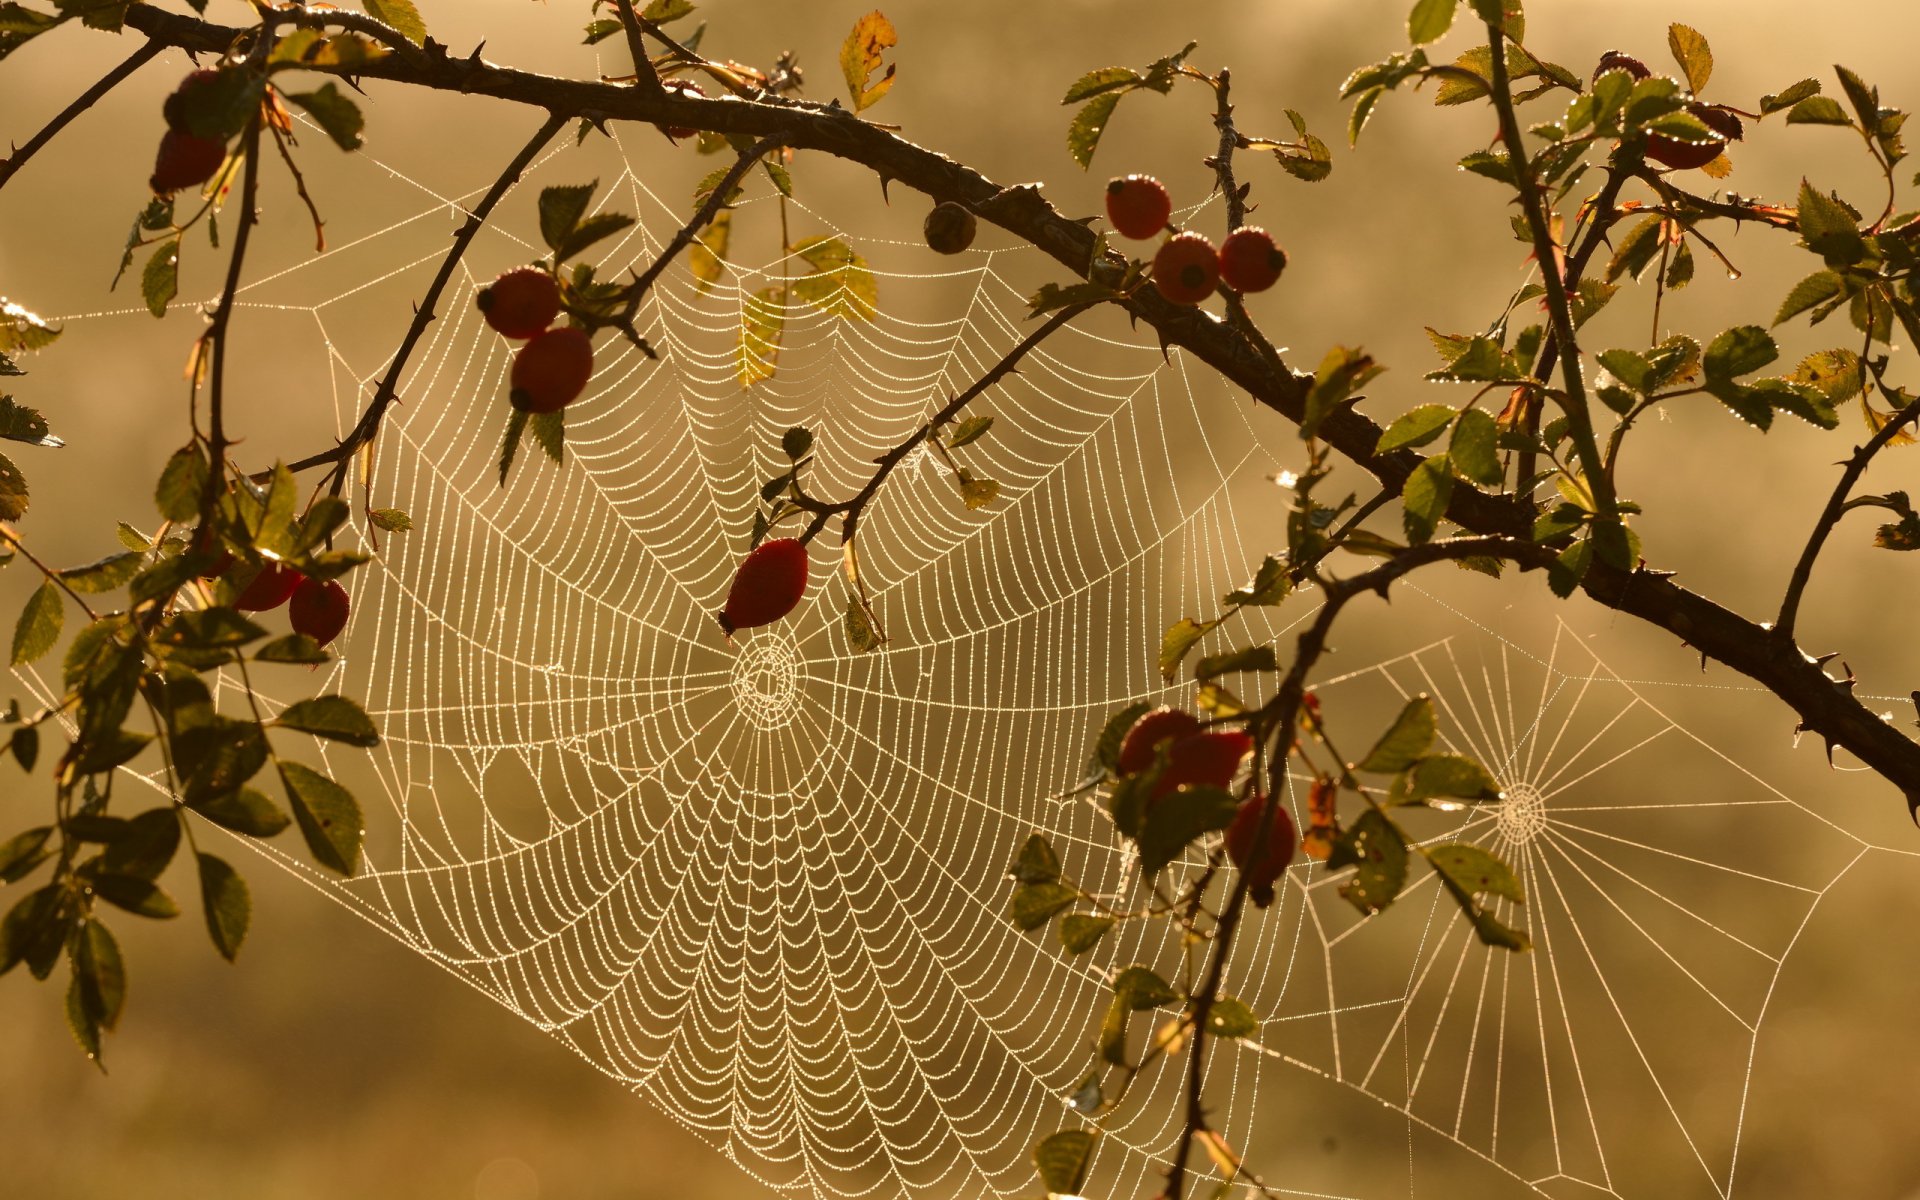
x=764, y=886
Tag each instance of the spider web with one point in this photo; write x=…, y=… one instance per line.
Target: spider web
x=764, y=885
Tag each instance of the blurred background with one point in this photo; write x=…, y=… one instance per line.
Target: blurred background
x=332, y=1061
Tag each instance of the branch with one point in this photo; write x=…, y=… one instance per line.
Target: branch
x=87, y=99
x=715, y=202
x=645, y=78
x=216, y=333
x=1023, y=212
x=1831, y=514
x=368, y=426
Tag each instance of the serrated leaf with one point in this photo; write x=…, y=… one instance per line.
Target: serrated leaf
x=1180, y=637
x=104, y=575
x=182, y=483
x=1097, y=82
x=1691, y=51
x=593, y=229
x=402, y=16
x=664, y=11
x=1080, y=933
x=22, y=852
x=1430, y=20
x=328, y=816
x=39, y=625
x=861, y=634
x=1252, y=658
x=243, y=811
x=1738, y=351
x=1404, y=742
x=561, y=209
x=338, y=117
x=1428, y=490
x=1415, y=428
x=862, y=54
x=1083, y=133
x=1270, y=585
x=1815, y=289
x=976, y=493
x=841, y=284
x=1036, y=862
x=335, y=718
x=1446, y=775
x=1788, y=96
x=1818, y=110
x=1471, y=451
x=1034, y=904
x=1106, y=748
x=1342, y=372
x=392, y=520
x=13, y=491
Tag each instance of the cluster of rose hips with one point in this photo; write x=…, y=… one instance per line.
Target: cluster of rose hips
x=1173, y=739
x=185, y=159
x=553, y=368
x=1188, y=268
x=316, y=607
x=1670, y=151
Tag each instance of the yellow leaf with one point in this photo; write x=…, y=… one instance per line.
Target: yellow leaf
x=860, y=55
x=707, y=257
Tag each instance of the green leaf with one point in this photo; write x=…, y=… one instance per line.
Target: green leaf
x=22, y=329
x=1140, y=989
x=338, y=117
x=1341, y=373
x=1106, y=750
x=243, y=811
x=1251, y=658
x=182, y=483
x=334, y=717
x=860, y=56
x=293, y=648
x=1230, y=1018
x=39, y=625
x=22, y=852
x=136, y=895
x=1037, y=862
x=861, y=633
x=598, y=31
x=974, y=492
x=1430, y=20
x=841, y=284
x=32, y=932
x=593, y=229
x=1052, y=296
x=1080, y=933
x=1404, y=741
x=560, y=211
x=1691, y=51
x=13, y=491
x=1471, y=451
x=1106, y=79
x=970, y=430
x=1428, y=489
x=104, y=575
x=1446, y=775
x=1083, y=134
x=1378, y=854
x=1270, y=585
x=1177, y=819
x=328, y=816
x=1180, y=637
x=1739, y=351
x=402, y=16
x=1034, y=904
x=1415, y=428
x=99, y=979
x=1062, y=1159
x=160, y=280
x=1310, y=161
x=209, y=629
x=24, y=743
x=1829, y=227
x=663, y=11
x=1467, y=872
x=1639, y=247
x=227, y=904
x=1815, y=289
x=1789, y=96
x=1817, y=110
x=392, y=520
x=1569, y=568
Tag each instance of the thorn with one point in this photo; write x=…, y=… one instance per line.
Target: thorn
x=884, y=197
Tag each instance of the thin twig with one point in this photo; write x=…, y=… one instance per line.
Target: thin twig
x=368, y=425
x=1831, y=514
x=87, y=99
x=645, y=77
x=701, y=219
x=12, y=538
x=216, y=334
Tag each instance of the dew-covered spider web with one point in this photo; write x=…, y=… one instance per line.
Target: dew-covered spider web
x=763, y=885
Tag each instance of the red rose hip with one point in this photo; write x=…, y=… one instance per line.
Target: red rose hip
x=1249, y=261
x=1684, y=156
x=185, y=161
x=1138, y=206
x=768, y=585
x=1137, y=749
x=176, y=107
x=950, y=228
x=521, y=303
x=1618, y=60
x=552, y=370
x=1208, y=759
x=319, y=610
x=269, y=589
x=1275, y=851
x=1186, y=269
